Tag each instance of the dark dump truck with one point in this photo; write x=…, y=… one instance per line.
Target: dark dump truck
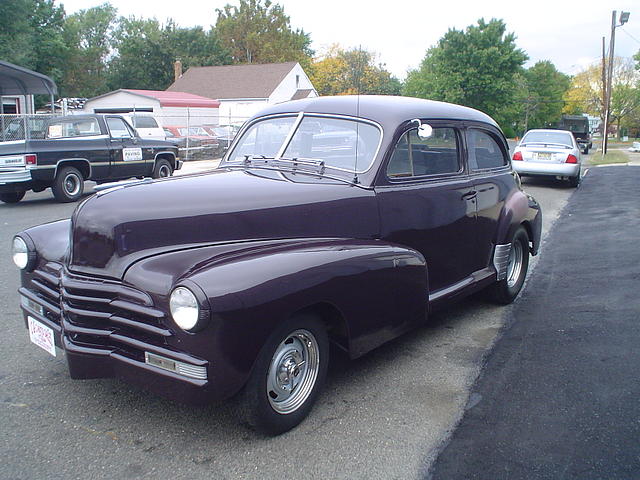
x=578, y=125
x=62, y=152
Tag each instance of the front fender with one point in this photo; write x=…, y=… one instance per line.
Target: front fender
x=379, y=289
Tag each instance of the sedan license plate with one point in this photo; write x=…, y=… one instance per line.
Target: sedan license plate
x=544, y=157
x=41, y=335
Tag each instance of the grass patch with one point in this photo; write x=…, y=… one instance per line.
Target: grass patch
x=612, y=156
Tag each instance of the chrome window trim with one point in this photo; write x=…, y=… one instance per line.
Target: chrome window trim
x=301, y=116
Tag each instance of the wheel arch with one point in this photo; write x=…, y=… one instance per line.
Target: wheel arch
x=333, y=319
x=169, y=156
x=82, y=164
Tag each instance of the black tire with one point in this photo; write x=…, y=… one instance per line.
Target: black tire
x=12, y=197
x=162, y=169
x=68, y=185
x=265, y=402
x=575, y=181
x=506, y=290
x=586, y=150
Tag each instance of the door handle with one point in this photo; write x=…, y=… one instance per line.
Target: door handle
x=470, y=195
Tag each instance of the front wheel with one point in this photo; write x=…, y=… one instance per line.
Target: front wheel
x=506, y=290
x=162, y=169
x=287, y=376
x=68, y=185
x=12, y=197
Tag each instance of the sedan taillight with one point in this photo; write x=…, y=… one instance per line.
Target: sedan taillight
x=571, y=159
x=517, y=156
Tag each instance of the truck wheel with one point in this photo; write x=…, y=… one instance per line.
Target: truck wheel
x=506, y=290
x=12, y=197
x=162, y=169
x=288, y=375
x=68, y=185
x=586, y=150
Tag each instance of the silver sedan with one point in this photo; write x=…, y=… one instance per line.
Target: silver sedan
x=552, y=153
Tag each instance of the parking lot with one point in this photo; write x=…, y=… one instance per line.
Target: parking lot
x=382, y=416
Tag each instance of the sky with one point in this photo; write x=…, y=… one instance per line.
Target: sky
x=566, y=32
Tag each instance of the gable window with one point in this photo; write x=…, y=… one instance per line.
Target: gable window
x=415, y=157
x=484, y=151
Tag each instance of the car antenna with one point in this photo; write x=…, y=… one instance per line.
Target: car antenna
x=358, y=78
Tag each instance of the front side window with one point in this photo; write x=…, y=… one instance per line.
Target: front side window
x=484, y=151
x=118, y=128
x=344, y=144
x=416, y=157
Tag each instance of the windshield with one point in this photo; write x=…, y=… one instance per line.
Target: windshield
x=193, y=131
x=345, y=144
x=560, y=138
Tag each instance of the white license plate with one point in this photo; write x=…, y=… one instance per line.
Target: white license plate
x=545, y=157
x=41, y=335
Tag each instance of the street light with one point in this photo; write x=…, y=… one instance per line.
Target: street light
x=607, y=88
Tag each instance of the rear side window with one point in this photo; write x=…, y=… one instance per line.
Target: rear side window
x=416, y=157
x=73, y=128
x=144, y=122
x=484, y=151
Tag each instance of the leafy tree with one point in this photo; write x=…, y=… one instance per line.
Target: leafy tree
x=87, y=35
x=545, y=87
x=146, y=51
x=342, y=72
x=31, y=35
x=585, y=93
x=261, y=33
x=475, y=67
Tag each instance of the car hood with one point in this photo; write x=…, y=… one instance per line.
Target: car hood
x=116, y=227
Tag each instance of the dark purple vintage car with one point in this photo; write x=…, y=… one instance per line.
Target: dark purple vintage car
x=342, y=220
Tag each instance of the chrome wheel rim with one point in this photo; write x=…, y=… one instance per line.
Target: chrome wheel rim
x=515, y=264
x=293, y=371
x=163, y=172
x=72, y=184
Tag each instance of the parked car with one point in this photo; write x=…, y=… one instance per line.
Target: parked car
x=223, y=133
x=75, y=148
x=551, y=153
x=146, y=125
x=235, y=282
x=197, y=144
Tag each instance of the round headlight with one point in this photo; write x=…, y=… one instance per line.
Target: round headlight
x=20, y=253
x=184, y=308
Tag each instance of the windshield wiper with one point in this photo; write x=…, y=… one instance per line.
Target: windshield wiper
x=308, y=166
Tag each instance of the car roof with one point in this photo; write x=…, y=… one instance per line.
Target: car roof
x=548, y=130
x=384, y=109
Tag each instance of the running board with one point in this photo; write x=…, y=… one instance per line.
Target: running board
x=475, y=277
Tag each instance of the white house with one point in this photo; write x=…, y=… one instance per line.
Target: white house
x=170, y=108
x=242, y=90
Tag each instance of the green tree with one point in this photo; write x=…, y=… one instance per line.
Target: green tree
x=87, y=34
x=261, y=33
x=475, y=67
x=342, y=72
x=145, y=52
x=31, y=35
x=546, y=87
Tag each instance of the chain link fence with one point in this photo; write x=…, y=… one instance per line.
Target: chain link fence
x=197, y=136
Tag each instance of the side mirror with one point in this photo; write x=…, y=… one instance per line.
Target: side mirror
x=424, y=129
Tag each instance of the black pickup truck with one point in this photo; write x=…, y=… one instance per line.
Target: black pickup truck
x=72, y=149
x=578, y=125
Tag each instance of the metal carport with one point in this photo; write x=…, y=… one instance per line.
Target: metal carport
x=15, y=80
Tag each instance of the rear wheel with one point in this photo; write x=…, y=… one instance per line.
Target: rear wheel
x=12, y=197
x=506, y=290
x=575, y=181
x=68, y=185
x=287, y=376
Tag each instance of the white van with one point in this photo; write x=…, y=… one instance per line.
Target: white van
x=146, y=125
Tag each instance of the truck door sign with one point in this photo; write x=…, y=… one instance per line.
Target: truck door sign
x=131, y=154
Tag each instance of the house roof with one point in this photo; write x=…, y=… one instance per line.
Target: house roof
x=233, y=81
x=169, y=99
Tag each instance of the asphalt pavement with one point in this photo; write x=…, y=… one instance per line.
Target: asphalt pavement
x=559, y=395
